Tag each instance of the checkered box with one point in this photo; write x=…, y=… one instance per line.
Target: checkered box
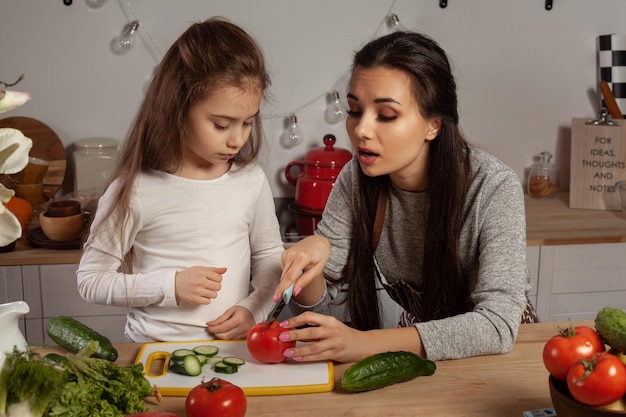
x=612, y=66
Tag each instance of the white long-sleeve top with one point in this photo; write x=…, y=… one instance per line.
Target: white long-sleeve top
x=176, y=223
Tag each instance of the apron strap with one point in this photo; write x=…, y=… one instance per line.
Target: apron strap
x=380, y=217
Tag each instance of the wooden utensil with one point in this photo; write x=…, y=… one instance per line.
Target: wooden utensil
x=609, y=100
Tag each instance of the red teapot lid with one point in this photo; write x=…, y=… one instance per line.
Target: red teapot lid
x=328, y=155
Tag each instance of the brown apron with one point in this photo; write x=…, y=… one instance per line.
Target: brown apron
x=403, y=293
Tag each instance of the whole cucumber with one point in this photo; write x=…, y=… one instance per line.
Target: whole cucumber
x=383, y=369
x=73, y=335
x=611, y=326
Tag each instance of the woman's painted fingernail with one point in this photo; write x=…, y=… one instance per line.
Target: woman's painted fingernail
x=275, y=297
x=284, y=324
x=297, y=290
x=283, y=336
x=288, y=353
x=297, y=358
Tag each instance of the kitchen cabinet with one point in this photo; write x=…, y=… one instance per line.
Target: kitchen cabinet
x=575, y=281
x=50, y=291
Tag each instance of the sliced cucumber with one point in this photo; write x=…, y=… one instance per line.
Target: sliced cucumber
x=183, y=352
x=185, y=365
x=233, y=360
x=206, y=350
x=224, y=368
x=201, y=358
x=213, y=360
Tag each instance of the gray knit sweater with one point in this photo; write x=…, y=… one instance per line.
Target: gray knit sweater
x=493, y=244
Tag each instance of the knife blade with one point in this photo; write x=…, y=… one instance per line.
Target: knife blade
x=273, y=315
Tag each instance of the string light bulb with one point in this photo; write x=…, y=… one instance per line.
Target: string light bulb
x=292, y=136
x=393, y=21
x=124, y=42
x=335, y=112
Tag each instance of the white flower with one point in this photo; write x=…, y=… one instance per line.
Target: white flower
x=14, y=150
x=12, y=99
x=10, y=229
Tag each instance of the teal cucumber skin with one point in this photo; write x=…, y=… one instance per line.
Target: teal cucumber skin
x=384, y=369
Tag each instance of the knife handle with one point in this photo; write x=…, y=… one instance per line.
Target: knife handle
x=609, y=100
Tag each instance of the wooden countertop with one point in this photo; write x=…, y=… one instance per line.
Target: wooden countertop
x=548, y=222
x=552, y=222
x=496, y=385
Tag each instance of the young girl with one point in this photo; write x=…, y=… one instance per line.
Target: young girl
x=187, y=202
x=437, y=223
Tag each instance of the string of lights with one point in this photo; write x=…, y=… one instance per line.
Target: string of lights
x=292, y=135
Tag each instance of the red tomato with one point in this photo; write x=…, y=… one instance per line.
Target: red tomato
x=597, y=380
x=216, y=398
x=570, y=345
x=265, y=346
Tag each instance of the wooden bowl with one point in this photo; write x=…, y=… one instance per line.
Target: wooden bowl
x=62, y=229
x=64, y=208
x=566, y=406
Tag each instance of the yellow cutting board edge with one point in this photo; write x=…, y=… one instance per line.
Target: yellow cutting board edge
x=162, y=350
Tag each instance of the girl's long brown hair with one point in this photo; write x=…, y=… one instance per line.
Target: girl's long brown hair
x=445, y=288
x=208, y=55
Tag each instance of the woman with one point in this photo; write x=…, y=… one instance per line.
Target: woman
x=437, y=222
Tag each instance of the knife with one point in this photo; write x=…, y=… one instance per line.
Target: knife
x=279, y=306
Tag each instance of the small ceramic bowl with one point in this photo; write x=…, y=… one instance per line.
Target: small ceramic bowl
x=63, y=208
x=62, y=229
x=566, y=406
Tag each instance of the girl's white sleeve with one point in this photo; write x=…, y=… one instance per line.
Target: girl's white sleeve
x=98, y=276
x=266, y=247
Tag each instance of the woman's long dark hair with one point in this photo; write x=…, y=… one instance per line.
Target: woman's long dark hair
x=445, y=288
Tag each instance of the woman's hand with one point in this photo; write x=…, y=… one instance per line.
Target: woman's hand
x=304, y=263
x=198, y=284
x=234, y=324
x=327, y=339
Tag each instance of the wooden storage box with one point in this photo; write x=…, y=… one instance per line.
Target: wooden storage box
x=598, y=161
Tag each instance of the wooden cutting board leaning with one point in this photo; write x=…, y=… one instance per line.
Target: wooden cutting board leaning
x=254, y=378
x=46, y=146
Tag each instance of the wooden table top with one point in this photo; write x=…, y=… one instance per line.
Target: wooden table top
x=552, y=222
x=496, y=385
x=548, y=222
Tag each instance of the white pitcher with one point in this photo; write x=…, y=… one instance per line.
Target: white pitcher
x=11, y=335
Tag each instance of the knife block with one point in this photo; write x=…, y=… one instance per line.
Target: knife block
x=598, y=161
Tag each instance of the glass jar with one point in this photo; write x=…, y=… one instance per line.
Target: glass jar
x=94, y=159
x=543, y=177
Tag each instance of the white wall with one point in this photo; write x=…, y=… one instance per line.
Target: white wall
x=522, y=72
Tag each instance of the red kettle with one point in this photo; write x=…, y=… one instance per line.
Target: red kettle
x=317, y=174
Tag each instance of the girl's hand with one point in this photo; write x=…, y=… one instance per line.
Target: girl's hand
x=198, y=284
x=234, y=324
x=304, y=263
x=327, y=339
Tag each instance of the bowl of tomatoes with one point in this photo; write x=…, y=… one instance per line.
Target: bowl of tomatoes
x=567, y=406
x=587, y=376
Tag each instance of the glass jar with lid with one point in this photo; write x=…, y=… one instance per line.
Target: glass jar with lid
x=94, y=159
x=543, y=177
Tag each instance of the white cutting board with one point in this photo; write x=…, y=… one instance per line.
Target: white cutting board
x=255, y=378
